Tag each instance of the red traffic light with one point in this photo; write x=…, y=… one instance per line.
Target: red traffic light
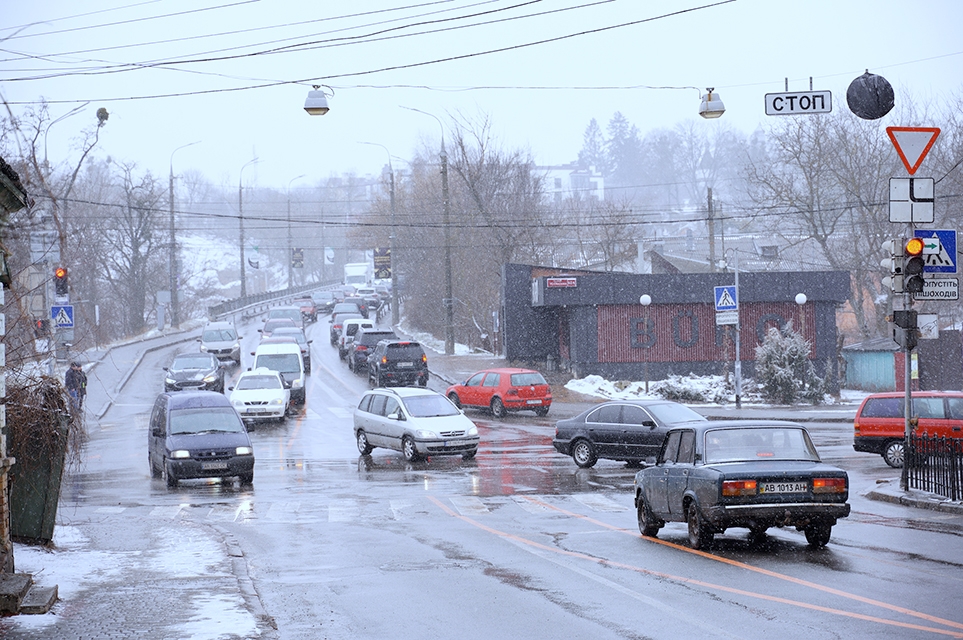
x=60, y=272
x=60, y=282
x=914, y=247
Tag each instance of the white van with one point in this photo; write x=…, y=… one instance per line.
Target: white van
x=348, y=330
x=285, y=358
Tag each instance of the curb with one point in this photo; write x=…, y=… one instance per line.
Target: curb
x=913, y=498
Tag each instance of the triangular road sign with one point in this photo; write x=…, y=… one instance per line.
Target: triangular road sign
x=912, y=144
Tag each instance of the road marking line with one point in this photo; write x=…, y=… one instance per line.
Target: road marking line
x=398, y=507
x=343, y=511
x=469, y=505
x=599, y=503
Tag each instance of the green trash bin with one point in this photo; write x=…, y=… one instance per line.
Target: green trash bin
x=35, y=482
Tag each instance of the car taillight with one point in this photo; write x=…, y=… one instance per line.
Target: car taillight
x=384, y=359
x=424, y=359
x=360, y=347
x=739, y=488
x=829, y=485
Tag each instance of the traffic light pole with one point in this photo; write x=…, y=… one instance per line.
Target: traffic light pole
x=907, y=372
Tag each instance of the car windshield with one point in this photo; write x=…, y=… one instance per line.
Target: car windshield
x=764, y=443
x=672, y=413
x=218, y=335
x=205, y=420
x=283, y=362
x=527, y=379
x=258, y=382
x=429, y=406
x=191, y=362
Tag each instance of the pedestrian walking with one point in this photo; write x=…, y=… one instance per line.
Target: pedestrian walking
x=76, y=382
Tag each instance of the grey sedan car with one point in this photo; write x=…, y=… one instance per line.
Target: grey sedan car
x=629, y=430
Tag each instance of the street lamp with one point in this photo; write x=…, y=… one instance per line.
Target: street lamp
x=316, y=103
x=448, y=301
x=175, y=303
x=290, y=252
x=645, y=300
x=711, y=105
x=801, y=301
x=64, y=116
x=240, y=221
x=394, y=270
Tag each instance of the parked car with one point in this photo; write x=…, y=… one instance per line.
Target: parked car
x=752, y=474
x=363, y=345
x=293, y=313
x=259, y=394
x=274, y=323
x=220, y=339
x=397, y=362
x=194, y=372
x=198, y=434
x=337, y=324
x=416, y=422
x=285, y=358
x=880, y=424
x=309, y=310
x=298, y=336
x=503, y=390
x=349, y=328
x=324, y=301
x=629, y=430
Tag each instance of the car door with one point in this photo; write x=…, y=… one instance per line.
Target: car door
x=393, y=422
x=679, y=472
x=375, y=421
x=469, y=394
x=954, y=417
x=639, y=433
x=658, y=493
x=488, y=389
x=604, y=428
x=156, y=433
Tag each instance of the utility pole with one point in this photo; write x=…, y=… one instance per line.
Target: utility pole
x=240, y=220
x=712, y=233
x=175, y=302
x=449, y=300
x=290, y=248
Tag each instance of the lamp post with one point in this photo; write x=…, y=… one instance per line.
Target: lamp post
x=391, y=239
x=240, y=220
x=801, y=301
x=645, y=300
x=448, y=302
x=290, y=252
x=175, y=302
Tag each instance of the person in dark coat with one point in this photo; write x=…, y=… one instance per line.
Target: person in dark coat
x=76, y=382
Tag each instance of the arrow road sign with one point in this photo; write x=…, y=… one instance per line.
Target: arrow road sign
x=62, y=315
x=944, y=259
x=726, y=298
x=912, y=144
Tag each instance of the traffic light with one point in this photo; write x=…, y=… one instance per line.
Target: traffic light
x=894, y=265
x=60, y=281
x=41, y=328
x=913, y=265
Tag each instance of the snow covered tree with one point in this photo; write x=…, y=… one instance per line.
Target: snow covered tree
x=783, y=368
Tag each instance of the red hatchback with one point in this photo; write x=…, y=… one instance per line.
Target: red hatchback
x=503, y=390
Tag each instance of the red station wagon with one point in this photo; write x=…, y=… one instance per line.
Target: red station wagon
x=503, y=390
x=879, y=426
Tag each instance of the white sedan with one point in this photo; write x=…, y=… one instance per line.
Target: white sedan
x=260, y=395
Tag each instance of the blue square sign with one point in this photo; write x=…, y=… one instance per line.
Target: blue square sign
x=62, y=315
x=726, y=299
x=945, y=260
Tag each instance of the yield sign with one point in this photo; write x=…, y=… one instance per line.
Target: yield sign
x=912, y=144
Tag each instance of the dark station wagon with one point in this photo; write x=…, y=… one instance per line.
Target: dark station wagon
x=741, y=473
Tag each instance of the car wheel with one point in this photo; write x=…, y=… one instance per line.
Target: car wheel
x=170, y=477
x=154, y=471
x=364, y=448
x=247, y=478
x=817, y=534
x=468, y=455
x=894, y=453
x=498, y=408
x=649, y=525
x=700, y=536
x=584, y=454
x=454, y=399
x=408, y=450
x=541, y=412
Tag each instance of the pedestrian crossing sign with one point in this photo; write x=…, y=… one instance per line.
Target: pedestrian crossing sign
x=62, y=316
x=726, y=299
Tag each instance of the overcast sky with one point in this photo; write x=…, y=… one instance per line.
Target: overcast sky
x=538, y=95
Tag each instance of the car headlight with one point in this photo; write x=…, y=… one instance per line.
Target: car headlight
x=426, y=434
x=244, y=451
x=237, y=403
x=203, y=347
x=473, y=431
x=297, y=384
x=180, y=454
x=210, y=378
x=277, y=401
x=170, y=380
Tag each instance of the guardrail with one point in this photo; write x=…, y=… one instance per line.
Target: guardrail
x=256, y=301
x=936, y=465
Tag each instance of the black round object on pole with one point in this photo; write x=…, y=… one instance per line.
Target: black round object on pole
x=870, y=96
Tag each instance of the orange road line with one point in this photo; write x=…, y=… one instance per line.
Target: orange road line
x=667, y=576
x=767, y=572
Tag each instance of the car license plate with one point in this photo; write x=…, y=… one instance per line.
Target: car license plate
x=213, y=466
x=534, y=401
x=405, y=364
x=256, y=410
x=784, y=487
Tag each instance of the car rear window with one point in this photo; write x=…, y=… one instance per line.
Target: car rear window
x=405, y=351
x=283, y=362
x=770, y=443
x=527, y=379
x=374, y=337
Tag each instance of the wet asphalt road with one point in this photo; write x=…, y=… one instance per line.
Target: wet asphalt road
x=520, y=542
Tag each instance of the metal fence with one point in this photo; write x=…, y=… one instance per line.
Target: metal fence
x=936, y=465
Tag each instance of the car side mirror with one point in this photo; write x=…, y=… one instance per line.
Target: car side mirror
x=198, y=340
x=260, y=330
x=165, y=368
x=230, y=388
x=310, y=341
